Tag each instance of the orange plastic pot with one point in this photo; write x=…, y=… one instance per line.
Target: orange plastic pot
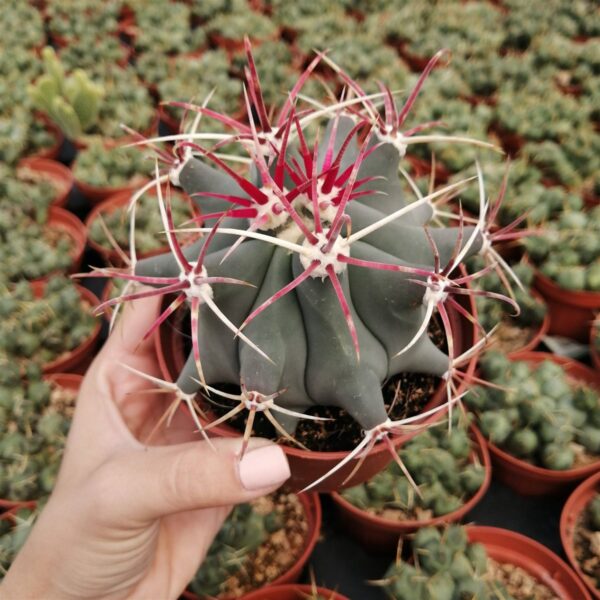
x=62, y=219
x=49, y=170
x=508, y=547
x=570, y=312
x=381, y=535
x=571, y=512
x=308, y=466
x=312, y=509
x=293, y=592
x=78, y=359
x=531, y=480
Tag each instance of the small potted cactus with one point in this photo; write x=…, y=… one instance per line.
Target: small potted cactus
x=49, y=324
x=567, y=258
x=316, y=282
x=519, y=333
x=580, y=530
x=446, y=472
x=480, y=562
x=37, y=241
x=265, y=542
x=541, y=416
x=109, y=233
x=15, y=526
x=37, y=416
x=101, y=171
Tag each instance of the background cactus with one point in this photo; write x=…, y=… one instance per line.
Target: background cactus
x=446, y=566
x=317, y=280
x=71, y=101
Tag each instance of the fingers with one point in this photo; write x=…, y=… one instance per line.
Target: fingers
x=134, y=322
x=146, y=484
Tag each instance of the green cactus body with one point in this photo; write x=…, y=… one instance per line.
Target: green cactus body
x=315, y=359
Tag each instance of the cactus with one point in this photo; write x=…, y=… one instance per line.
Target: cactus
x=71, y=101
x=242, y=533
x=442, y=469
x=316, y=280
x=446, y=566
x=540, y=415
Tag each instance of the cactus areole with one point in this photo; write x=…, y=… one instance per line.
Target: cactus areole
x=315, y=279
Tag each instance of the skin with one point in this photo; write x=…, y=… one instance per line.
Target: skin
x=130, y=519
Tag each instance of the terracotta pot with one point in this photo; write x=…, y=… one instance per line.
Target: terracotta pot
x=312, y=509
x=78, y=359
x=570, y=312
x=293, y=592
x=508, y=547
x=61, y=218
x=594, y=354
x=531, y=480
x=381, y=535
x=571, y=512
x=49, y=170
x=308, y=466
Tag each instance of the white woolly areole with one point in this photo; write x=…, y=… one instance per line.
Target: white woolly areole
x=273, y=213
x=314, y=253
x=178, y=166
x=435, y=292
x=255, y=400
x=397, y=140
x=196, y=290
x=486, y=244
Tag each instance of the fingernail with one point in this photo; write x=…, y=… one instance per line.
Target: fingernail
x=263, y=467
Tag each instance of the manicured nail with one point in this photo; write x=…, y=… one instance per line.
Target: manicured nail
x=263, y=467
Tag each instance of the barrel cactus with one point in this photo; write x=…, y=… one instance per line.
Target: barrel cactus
x=315, y=280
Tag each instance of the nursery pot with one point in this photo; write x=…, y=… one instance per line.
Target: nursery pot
x=307, y=466
x=381, y=535
x=62, y=219
x=312, y=511
x=571, y=312
x=78, y=359
x=508, y=547
x=569, y=517
x=96, y=194
x=293, y=592
x=531, y=480
x=56, y=173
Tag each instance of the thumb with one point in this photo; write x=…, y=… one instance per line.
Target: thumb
x=155, y=481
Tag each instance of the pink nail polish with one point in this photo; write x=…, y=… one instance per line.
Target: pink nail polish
x=263, y=467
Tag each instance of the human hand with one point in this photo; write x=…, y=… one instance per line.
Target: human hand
x=126, y=519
